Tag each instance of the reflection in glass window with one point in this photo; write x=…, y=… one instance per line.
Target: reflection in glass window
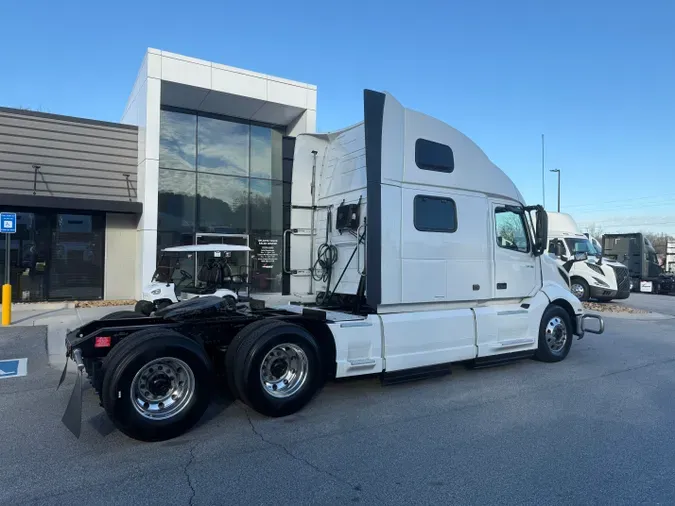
x=266, y=206
x=266, y=158
x=177, y=197
x=223, y=147
x=223, y=203
x=511, y=231
x=177, y=140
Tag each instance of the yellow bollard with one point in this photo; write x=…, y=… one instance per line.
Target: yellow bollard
x=6, y=304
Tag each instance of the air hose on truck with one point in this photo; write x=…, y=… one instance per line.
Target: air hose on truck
x=326, y=258
x=323, y=298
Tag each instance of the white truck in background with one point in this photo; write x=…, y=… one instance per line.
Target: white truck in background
x=596, y=243
x=596, y=278
x=415, y=251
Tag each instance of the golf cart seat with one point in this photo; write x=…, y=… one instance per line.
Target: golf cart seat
x=232, y=281
x=211, y=275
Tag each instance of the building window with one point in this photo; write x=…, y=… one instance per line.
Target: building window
x=223, y=147
x=177, y=140
x=266, y=159
x=223, y=204
x=511, y=231
x=431, y=155
x=434, y=214
x=219, y=177
x=176, y=201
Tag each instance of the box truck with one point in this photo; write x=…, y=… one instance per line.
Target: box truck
x=417, y=252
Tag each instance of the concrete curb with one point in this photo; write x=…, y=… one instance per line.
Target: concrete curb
x=42, y=306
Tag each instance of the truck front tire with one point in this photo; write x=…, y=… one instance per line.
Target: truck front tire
x=555, y=335
x=580, y=289
x=158, y=386
x=277, y=367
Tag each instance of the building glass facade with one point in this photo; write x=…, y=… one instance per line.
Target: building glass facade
x=55, y=255
x=222, y=180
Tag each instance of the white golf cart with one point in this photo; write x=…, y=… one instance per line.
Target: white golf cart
x=173, y=279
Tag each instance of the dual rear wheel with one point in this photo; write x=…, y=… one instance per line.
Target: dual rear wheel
x=157, y=383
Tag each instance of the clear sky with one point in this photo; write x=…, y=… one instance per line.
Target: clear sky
x=597, y=77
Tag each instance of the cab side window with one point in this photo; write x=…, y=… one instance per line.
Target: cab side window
x=511, y=231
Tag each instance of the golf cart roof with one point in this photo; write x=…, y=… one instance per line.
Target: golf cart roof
x=207, y=247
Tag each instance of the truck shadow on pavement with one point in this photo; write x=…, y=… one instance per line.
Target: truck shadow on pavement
x=220, y=401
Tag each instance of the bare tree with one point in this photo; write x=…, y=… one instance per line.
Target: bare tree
x=595, y=230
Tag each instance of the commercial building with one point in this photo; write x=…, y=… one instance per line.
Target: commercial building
x=203, y=153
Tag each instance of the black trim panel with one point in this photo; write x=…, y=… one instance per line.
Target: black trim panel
x=109, y=206
x=373, y=114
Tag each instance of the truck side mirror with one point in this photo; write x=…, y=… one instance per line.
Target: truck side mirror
x=581, y=256
x=540, y=229
x=559, y=249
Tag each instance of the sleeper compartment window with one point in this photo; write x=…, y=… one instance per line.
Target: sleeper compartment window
x=434, y=214
x=434, y=156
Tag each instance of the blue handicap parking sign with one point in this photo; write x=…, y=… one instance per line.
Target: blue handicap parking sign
x=12, y=368
x=8, y=223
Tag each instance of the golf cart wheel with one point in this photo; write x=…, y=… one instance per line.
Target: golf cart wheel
x=555, y=335
x=122, y=315
x=157, y=386
x=161, y=304
x=580, y=289
x=278, y=368
x=144, y=307
x=231, y=302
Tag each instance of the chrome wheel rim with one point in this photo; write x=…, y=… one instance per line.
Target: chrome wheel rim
x=556, y=334
x=577, y=290
x=283, y=371
x=162, y=388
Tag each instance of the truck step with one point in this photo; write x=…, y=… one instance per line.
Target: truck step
x=496, y=360
x=418, y=373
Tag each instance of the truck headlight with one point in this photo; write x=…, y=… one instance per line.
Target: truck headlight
x=156, y=291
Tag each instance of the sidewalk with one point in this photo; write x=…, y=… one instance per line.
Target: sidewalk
x=58, y=318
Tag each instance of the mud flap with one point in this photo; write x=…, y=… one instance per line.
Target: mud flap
x=72, y=418
x=63, y=374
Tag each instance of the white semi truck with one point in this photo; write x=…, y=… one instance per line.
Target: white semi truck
x=416, y=251
x=597, y=278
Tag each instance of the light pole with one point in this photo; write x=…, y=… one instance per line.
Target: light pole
x=558, y=171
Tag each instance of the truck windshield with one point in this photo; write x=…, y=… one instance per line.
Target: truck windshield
x=578, y=245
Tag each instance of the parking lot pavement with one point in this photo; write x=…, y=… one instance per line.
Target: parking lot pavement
x=664, y=304
x=596, y=428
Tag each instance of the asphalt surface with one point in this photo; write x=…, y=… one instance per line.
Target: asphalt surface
x=664, y=304
x=594, y=429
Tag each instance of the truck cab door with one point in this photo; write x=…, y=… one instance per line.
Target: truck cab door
x=515, y=265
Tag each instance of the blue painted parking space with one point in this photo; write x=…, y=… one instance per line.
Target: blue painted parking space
x=13, y=368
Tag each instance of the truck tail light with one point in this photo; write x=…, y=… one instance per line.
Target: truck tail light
x=102, y=342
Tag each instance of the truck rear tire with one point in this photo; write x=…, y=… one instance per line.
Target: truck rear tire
x=555, y=335
x=233, y=352
x=278, y=368
x=157, y=386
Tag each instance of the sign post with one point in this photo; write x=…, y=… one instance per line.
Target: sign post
x=7, y=227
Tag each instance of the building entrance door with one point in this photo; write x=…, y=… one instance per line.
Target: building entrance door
x=29, y=257
x=238, y=261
